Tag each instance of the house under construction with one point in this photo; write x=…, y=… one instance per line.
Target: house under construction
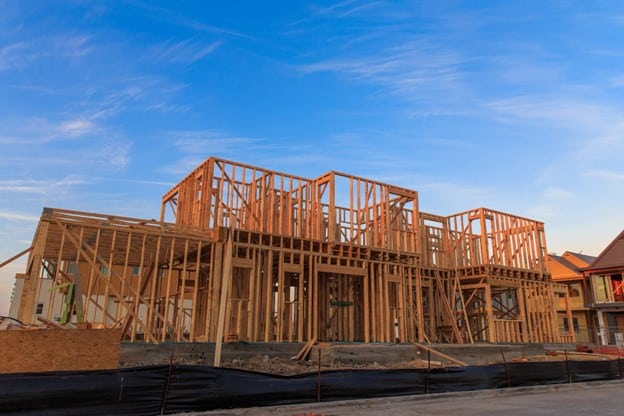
x=242, y=253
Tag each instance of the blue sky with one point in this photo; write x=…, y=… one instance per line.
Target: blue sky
x=516, y=106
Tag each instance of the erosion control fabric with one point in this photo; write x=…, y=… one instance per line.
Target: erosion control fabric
x=183, y=388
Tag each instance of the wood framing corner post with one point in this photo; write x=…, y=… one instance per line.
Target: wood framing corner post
x=226, y=276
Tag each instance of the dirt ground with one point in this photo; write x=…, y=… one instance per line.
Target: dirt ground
x=288, y=367
x=275, y=365
x=279, y=358
x=281, y=366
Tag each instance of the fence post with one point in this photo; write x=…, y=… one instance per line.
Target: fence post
x=565, y=351
x=318, y=380
x=427, y=373
x=506, y=369
x=163, y=403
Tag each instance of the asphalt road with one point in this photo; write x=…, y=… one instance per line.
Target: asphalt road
x=581, y=399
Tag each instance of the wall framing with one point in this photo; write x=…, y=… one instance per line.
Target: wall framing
x=243, y=253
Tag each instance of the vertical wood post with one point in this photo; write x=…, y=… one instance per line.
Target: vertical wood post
x=226, y=277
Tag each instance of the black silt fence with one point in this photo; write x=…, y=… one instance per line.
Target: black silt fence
x=183, y=388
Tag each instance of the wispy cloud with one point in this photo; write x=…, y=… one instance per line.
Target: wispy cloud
x=183, y=165
x=72, y=46
x=113, y=153
x=196, y=146
x=106, y=101
x=111, y=97
x=78, y=127
x=205, y=141
x=551, y=202
x=446, y=197
x=93, y=114
x=15, y=216
x=416, y=70
x=14, y=55
x=345, y=8
x=133, y=181
x=452, y=143
x=562, y=111
x=23, y=53
x=43, y=187
x=39, y=130
x=173, y=17
x=605, y=174
x=553, y=193
x=186, y=51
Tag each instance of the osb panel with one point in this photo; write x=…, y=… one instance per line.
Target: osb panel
x=58, y=349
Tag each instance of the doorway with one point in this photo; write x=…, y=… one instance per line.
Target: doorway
x=340, y=308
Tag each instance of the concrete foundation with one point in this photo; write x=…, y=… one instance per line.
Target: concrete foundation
x=200, y=352
x=343, y=354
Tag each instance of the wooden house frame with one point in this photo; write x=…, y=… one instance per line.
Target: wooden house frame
x=242, y=253
x=606, y=277
x=575, y=314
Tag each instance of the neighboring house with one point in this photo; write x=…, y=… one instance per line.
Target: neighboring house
x=568, y=269
x=605, y=275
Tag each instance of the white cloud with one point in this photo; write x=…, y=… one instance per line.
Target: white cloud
x=15, y=216
x=24, y=53
x=567, y=112
x=184, y=165
x=187, y=51
x=197, y=146
x=78, y=127
x=210, y=142
x=39, y=130
x=40, y=187
x=452, y=143
x=605, y=174
x=14, y=55
x=416, y=70
x=135, y=181
x=554, y=193
x=173, y=17
x=113, y=153
x=196, y=150
x=345, y=8
x=72, y=46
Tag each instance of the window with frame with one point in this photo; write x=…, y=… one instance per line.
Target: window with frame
x=574, y=290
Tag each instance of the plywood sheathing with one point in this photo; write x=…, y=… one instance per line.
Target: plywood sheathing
x=58, y=350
